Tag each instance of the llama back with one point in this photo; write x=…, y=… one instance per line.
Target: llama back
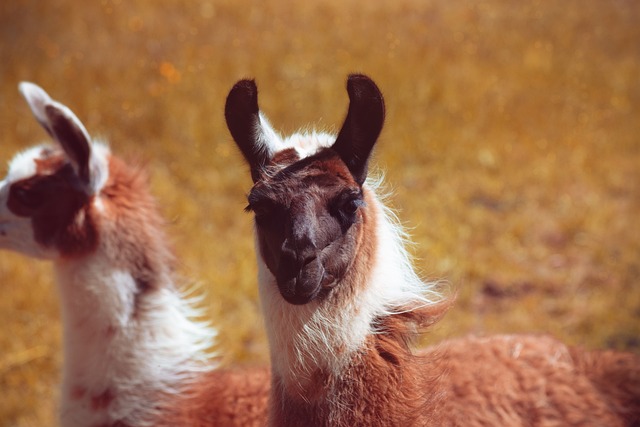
x=616, y=376
x=510, y=379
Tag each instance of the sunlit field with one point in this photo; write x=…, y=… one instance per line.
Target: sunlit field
x=511, y=150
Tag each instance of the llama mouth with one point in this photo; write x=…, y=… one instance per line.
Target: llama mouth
x=306, y=285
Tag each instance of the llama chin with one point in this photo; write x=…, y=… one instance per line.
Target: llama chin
x=135, y=351
x=342, y=302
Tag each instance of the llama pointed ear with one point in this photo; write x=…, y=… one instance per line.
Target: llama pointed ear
x=250, y=129
x=37, y=98
x=60, y=122
x=362, y=125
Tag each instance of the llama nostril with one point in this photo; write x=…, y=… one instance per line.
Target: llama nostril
x=308, y=259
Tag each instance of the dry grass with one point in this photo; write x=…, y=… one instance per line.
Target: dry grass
x=512, y=146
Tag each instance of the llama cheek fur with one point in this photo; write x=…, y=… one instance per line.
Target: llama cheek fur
x=72, y=233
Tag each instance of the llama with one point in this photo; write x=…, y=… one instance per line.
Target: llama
x=342, y=303
x=135, y=353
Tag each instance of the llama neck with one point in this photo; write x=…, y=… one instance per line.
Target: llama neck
x=124, y=347
x=383, y=384
x=323, y=338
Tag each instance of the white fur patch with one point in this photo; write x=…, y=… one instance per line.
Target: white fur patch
x=267, y=139
x=23, y=164
x=309, y=143
x=136, y=361
x=306, y=143
x=99, y=165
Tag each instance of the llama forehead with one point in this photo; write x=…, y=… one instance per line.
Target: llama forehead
x=46, y=159
x=35, y=160
x=290, y=176
x=307, y=144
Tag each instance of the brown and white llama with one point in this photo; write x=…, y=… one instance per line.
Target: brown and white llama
x=342, y=302
x=134, y=352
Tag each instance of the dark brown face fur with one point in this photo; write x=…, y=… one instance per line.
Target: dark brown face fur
x=306, y=217
x=57, y=205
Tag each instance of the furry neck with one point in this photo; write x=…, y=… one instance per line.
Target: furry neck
x=125, y=348
x=322, y=339
x=383, y=384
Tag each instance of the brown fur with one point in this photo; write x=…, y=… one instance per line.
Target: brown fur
x=526, y=380
x=520, y=380
x=222, y=398
x=128, y=205
x=385, y=384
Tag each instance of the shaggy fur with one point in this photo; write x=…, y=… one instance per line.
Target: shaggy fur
x=134, y=352
x=341, y=343
x=224, y=398
x=526, y=380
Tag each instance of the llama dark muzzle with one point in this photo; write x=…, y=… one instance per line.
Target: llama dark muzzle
x=300, y=274
x=305, y=227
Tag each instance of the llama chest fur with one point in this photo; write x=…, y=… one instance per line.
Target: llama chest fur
x=118, y=355
x=382, y=385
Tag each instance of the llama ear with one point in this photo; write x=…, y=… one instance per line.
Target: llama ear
x=60, y=122
x=362, y=125
x=250, y=129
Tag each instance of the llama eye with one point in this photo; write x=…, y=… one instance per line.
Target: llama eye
x=352, y=205
x=347, y=206
x=27, y=198
x=263, y=211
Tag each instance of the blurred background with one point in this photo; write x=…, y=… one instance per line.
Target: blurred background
x=511, y=147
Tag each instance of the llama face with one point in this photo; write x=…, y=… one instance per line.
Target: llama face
x=47, y=196
x=308, y=194
x=307, y=215
x=43, y=209
x=16, y=232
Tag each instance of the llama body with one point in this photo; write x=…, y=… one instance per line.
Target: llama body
x=527, y=380
x=342, y=303
x=134, y=353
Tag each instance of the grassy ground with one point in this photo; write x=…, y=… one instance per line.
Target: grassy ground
x=512, y=147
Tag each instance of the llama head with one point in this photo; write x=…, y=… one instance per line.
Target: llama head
x=307, y=195
x=47, y=194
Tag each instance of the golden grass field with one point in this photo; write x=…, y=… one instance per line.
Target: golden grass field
x=512, y=147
